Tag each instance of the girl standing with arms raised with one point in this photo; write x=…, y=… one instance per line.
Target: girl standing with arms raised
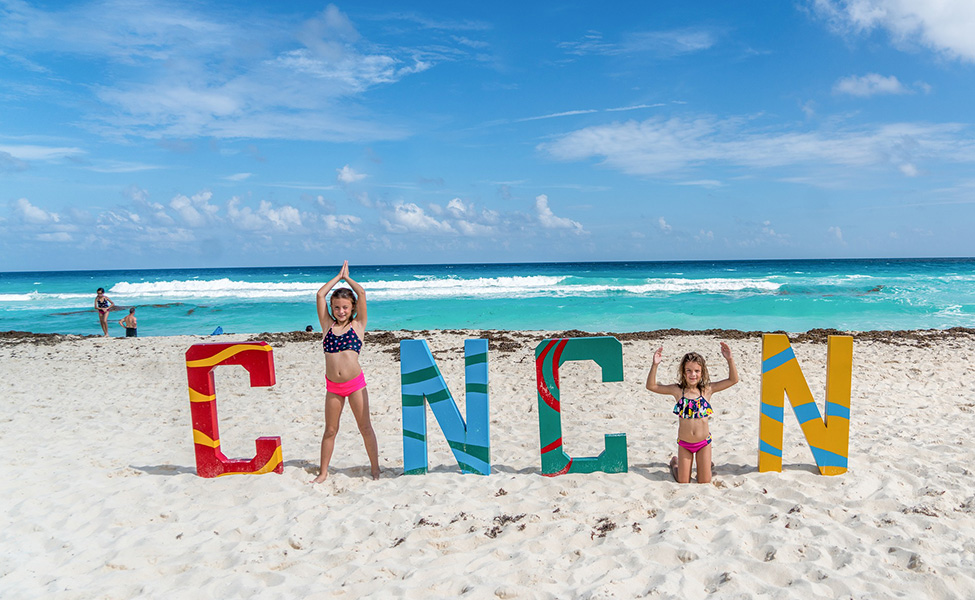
x=344, y=327
x=693, y=395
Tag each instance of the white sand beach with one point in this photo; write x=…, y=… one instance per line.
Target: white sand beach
x=101, y=497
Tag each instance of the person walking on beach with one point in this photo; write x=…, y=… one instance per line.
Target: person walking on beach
x=104, y=306
x=693, y=394
x=130, y=324
x=343, y=320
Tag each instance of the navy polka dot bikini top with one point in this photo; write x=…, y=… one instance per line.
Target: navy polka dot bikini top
x=349, y=340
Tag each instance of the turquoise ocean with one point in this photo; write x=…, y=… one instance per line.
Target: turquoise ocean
x=771, y=295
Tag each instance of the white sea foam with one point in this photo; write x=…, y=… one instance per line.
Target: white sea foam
x=427, y=287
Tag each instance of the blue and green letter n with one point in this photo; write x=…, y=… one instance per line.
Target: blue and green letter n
x=422, y=383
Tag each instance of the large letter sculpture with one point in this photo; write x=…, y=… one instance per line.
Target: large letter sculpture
x=829, y=440
x=607, y=352
x=201, y=359
x=421, y=380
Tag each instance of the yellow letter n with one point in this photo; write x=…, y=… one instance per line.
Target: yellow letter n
x=828, y=439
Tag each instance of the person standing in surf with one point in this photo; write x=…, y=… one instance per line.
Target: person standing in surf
x=104, y=305
x=343, y=320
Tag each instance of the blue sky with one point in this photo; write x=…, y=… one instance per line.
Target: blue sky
x=190, y=134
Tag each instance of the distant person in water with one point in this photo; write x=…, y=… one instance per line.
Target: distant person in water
x=309, y=329
x=104, y=306
x=343, y=320
x=129, y=323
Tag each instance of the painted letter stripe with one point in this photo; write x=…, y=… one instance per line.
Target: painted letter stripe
x=778, y=360
x=556, y=444
x=772, y=412
x=837, y=410
x=806, y=412
x=204, y=440
x=769, y=448
x=224, y=354
x=196, y=396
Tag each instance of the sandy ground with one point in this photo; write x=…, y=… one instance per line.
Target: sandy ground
x=101, y=497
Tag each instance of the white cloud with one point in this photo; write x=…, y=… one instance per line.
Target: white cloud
x=45, y=153
x=837, y=233
x=266, y=217
x=179, y=71
x=410, y=218
x=34, y=214
x=344, y=223
x=238, y=176
x=945, y=26
x=60, y=236
x=663, y=225
x=659, y=44
x=285, y=218
x=548, y=219
x=659, y=146
x=196, y=211
x=870, y=84
x=348, y=175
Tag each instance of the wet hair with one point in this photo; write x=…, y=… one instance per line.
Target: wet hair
x=693, y=357
x=100, y=291
x=131, y=310
x=340, y=293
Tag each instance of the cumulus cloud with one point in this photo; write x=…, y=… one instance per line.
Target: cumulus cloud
x=410, y=218
x=944, y=26
x=663, y=225
x=870, y=84
x=33, y=214
x=548, y=219
x=669, y=147
x=349, y=175
x=196, y=210
x=266, y=217
x=837, y=233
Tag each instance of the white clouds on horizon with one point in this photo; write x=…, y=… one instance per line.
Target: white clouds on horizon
x=670, y=147
x=944, y=26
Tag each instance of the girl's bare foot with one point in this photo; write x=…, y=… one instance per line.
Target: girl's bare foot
x=375, y=475
x=320, y=478
x=673, y=468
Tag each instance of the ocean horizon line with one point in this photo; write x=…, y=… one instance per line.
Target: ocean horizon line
x=508, y=263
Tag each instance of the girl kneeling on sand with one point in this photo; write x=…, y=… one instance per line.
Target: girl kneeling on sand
x=344, y=327
x=693, y=394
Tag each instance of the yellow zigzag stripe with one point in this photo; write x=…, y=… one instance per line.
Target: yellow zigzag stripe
x=224, y=354
x=204, y=440
x=196, y=396
x=271, y=464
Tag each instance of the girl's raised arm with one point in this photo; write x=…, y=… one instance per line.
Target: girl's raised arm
x=321, y=300
x=732, y=379
x=652, y=385
x=360, y=303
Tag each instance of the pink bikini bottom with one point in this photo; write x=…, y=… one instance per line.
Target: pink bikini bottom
x=694, y=447
x=346, y=388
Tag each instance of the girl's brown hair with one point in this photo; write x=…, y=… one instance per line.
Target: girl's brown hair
x=694, y=357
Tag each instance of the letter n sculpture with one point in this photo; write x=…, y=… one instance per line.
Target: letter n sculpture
x=828, y=439
x=423, y=384
x=607, y=352
x=201, y=360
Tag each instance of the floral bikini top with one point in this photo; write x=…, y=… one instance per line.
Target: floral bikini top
x=692, y=408
x=349, y=340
